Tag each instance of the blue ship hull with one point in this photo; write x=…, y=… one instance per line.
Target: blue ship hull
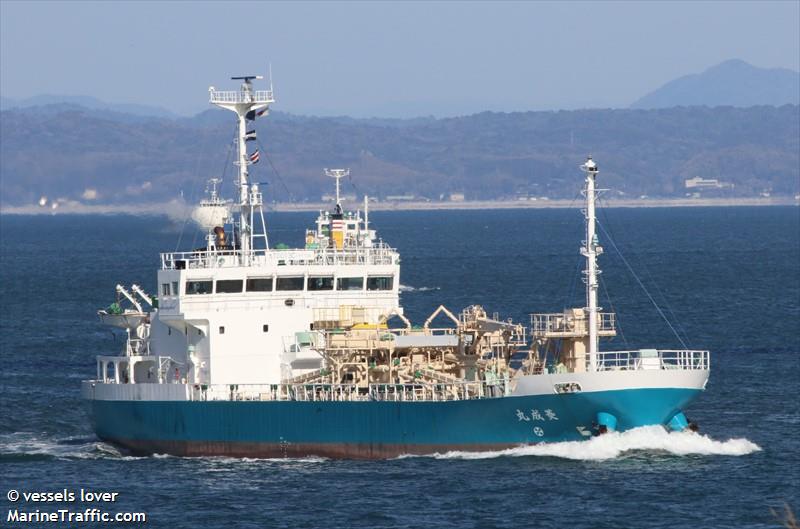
x=373, y=429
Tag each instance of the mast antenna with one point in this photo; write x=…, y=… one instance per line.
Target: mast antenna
x=270, y=78
x=247, y=104
x=338, y=174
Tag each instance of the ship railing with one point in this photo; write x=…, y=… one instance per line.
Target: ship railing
x=241, y=96
x=280, y=392
x=137, y=346
x=561, y=322
x=380, y=255
x=347, y=315
x=434, y=392
x=430, y=331
x=652, y=359
x=321, y=392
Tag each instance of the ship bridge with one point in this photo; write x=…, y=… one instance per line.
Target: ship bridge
x=379, y=254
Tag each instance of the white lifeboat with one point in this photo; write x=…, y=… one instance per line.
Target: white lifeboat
x=127, y=319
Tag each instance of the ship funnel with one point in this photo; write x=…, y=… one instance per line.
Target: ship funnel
x=219, y=231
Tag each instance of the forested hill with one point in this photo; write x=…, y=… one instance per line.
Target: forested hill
x=732, y=82
x=75, y=153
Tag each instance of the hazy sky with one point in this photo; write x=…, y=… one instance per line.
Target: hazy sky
x=382, y=58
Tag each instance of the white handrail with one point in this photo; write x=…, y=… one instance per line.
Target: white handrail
x=648, y=359
x=380, y=255
x=313, y=392
x=561, y=322
x=241, y=96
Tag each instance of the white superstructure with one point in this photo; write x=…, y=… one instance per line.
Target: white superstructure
x=239, y=312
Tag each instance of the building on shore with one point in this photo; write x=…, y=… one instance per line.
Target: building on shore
x=332, y=198
x=705, y=183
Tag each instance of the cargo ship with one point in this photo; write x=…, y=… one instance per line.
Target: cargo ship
x=250, y=350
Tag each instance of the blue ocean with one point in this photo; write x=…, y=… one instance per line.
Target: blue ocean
x=726, y=279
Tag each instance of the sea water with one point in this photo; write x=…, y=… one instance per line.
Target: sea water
x=727, y=279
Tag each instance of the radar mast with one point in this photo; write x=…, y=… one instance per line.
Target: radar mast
x=248, y=104
x=338, y=174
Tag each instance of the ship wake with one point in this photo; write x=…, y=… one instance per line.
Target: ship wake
x=645, y=440
x=32, y=446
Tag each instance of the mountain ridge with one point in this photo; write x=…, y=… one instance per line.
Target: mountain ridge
x=74, y=153
x=88, y=102
x=733, y=82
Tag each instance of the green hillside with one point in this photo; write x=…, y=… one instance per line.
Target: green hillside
x=61, y=151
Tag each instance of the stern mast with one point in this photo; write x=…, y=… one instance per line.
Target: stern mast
x=591, y=250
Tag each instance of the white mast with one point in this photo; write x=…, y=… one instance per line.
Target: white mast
x=366, y=214
x=591, y=250
x=338, y=174
x=245, y=102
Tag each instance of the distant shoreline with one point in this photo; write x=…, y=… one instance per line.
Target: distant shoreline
x=180, y=209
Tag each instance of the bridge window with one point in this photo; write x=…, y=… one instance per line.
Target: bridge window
x=259, y=284
x=229, y=286
x=379, y=283
x=320, y=283
x=290, y=283
x=199, y=287
x=350, y=283
x=165, y=289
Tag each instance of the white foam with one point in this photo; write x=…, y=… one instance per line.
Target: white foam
x=407, y=288
x=301, y=460
x=282, y=460
x=654, y=439
x=32, y=444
